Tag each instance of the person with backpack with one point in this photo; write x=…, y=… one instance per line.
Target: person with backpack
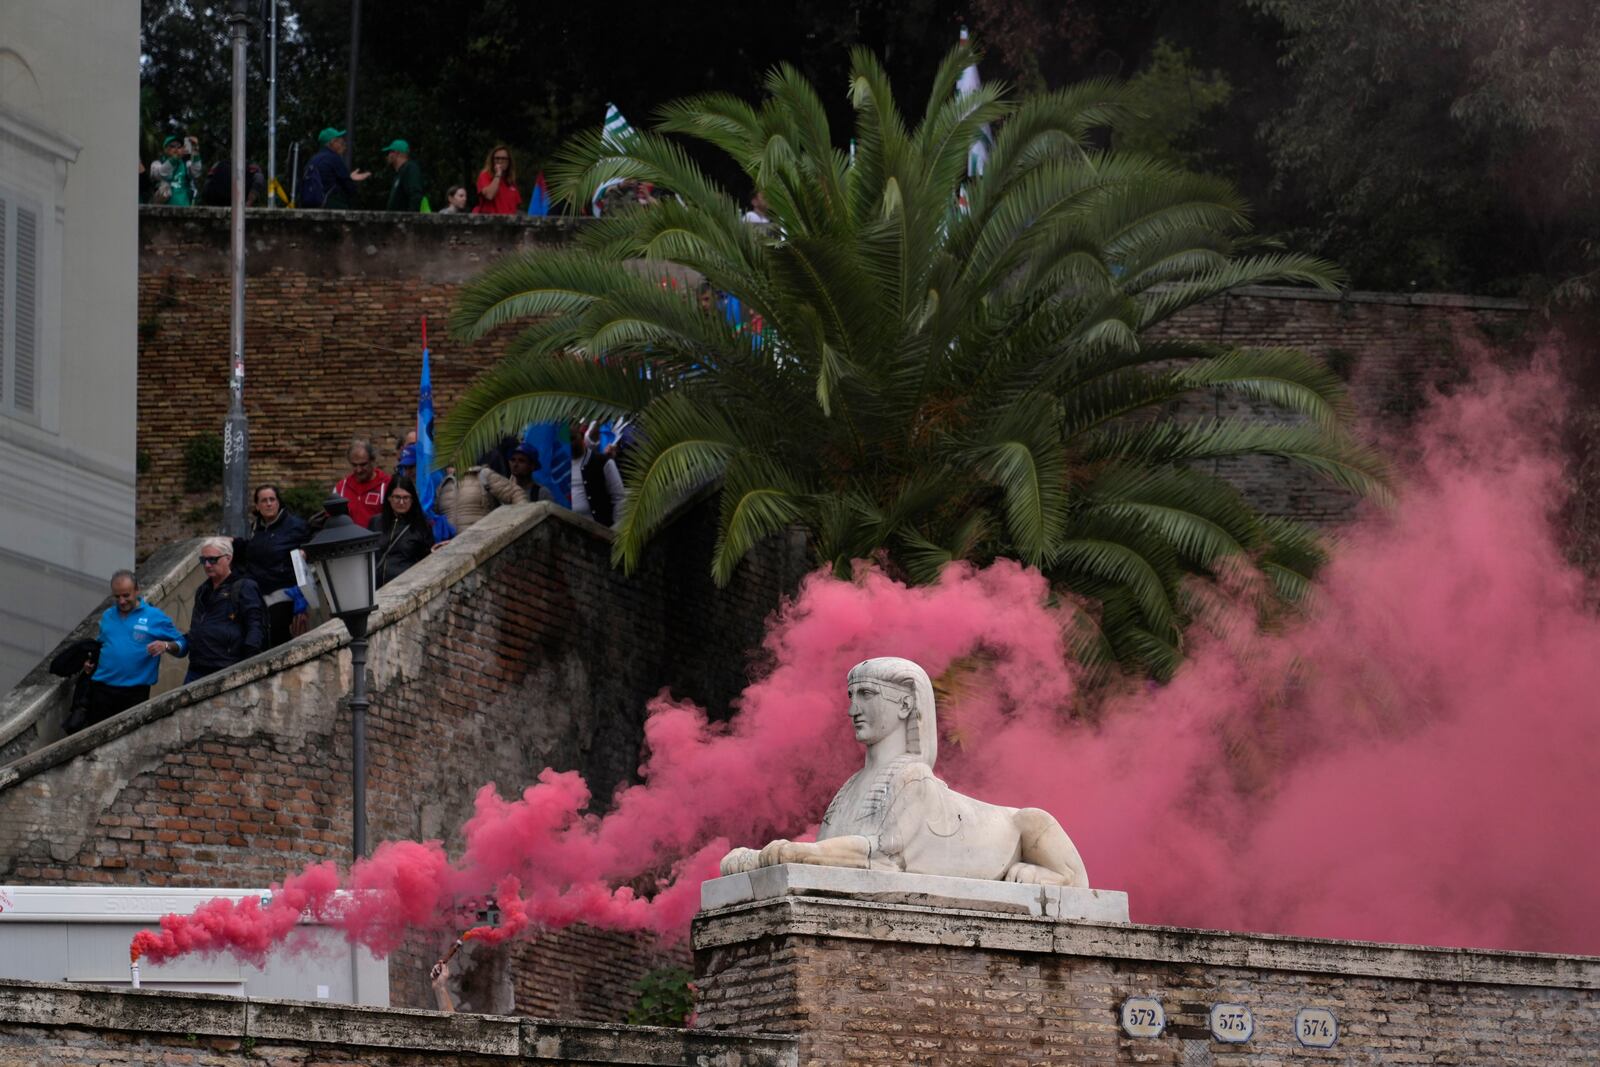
x=328, y=182
x=229, y=621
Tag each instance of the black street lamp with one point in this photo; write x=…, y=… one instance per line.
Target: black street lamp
x=344, y=556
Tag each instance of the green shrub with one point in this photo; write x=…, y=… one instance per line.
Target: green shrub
x=202, y=462
x=305, y=499
x=665, y=998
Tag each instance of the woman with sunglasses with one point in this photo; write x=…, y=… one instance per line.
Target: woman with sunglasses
x=407, y=537
x=497, y=184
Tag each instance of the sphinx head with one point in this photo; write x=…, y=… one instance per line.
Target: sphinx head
x=907, y=687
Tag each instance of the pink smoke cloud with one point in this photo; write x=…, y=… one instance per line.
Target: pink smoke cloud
x=1411, y=761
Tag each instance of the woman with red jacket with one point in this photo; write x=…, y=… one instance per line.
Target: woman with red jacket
x=497, y=184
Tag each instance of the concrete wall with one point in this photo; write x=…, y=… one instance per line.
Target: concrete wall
x=333, y=323
x=75, y=1026
x=867, y=982
x=515, y=647
x=69, y=122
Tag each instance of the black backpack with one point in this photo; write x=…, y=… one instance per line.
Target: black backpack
x=311, y=193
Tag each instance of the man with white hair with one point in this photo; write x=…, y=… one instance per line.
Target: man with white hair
x=229, y=622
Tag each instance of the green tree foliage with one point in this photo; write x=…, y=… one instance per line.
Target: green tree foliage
x=934, y=384
x=1450, y=144
x=1173, y=104
x=456, y=78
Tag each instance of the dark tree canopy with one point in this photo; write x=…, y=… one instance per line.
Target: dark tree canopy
x=1441, y=145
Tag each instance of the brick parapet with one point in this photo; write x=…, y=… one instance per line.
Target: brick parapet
x=77, y=1026
x=862, y=982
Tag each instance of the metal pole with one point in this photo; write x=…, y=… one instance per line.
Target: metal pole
x=350, y=86
x=236, y=429
x=357, y=625
x=272, y=101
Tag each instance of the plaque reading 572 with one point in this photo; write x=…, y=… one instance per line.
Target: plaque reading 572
x=1143, y=1017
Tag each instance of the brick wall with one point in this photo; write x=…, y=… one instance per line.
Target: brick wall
x=861, y=982
x=77, y=1026
x=332, y=342
x=1392, y=350
x=515, y=648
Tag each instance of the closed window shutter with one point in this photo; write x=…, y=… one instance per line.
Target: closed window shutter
x=5, y=293
x=26, y=311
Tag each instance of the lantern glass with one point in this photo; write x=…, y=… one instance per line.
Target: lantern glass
x=349, y=581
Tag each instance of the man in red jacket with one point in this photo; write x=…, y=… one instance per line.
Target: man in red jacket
x=365, y=485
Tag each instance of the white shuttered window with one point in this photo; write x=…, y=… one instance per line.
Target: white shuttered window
x=19, y=306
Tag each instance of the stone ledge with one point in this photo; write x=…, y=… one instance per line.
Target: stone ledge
x=810, y=916
x=894, y=887
x=60, y=1005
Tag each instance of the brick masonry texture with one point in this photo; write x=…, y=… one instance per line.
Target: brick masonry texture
x=516, y=648
x=332, y=346
x=916, y=985
x=73, y=1026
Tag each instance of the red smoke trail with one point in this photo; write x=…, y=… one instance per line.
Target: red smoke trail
x=1412, y=762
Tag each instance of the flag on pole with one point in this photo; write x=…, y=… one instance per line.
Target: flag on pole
x=539, y=197
x=969, y=83
x=554, y=445
x=615, y=134
x=428, y=479
x=978, y=152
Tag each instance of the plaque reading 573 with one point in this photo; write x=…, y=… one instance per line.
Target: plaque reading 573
x=1232, y=1023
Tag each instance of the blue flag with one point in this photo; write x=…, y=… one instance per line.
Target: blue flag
x=428, y=479
x=550, y=440
x=539, y=197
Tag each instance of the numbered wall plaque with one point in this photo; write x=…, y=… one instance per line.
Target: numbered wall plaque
x=1143, y=1017
x=1232, y=1023
x=1316, y=1027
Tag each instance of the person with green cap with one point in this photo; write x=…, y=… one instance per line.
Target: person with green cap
x=327, y=182
x=177, y=171
x=406, y=192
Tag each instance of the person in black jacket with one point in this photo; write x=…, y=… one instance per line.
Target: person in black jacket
x=229, y=622
x=263, y=557
x=407, y=537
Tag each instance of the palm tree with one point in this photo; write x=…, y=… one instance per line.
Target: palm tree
x=934, y=383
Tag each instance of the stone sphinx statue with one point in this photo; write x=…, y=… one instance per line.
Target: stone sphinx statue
x=894, y=815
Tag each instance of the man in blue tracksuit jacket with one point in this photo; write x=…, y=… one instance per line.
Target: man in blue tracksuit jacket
x=133, y=635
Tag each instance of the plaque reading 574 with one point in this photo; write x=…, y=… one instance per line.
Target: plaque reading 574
x=1316, y=1027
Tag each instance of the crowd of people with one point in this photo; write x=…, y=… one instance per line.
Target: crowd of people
x=254, y=598
x=179, y=177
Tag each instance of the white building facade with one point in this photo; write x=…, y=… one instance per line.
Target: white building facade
x=69, y=139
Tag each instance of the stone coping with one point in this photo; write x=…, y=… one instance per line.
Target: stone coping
x=56, y=1004
x=896, y=887
x=812, y=916
x=396, y=600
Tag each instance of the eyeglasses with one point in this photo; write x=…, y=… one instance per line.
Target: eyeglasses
x=502, y=159
x=400, y=498
x=211, y=561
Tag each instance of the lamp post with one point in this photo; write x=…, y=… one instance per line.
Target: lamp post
x=344, y=556
x=236, y=427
